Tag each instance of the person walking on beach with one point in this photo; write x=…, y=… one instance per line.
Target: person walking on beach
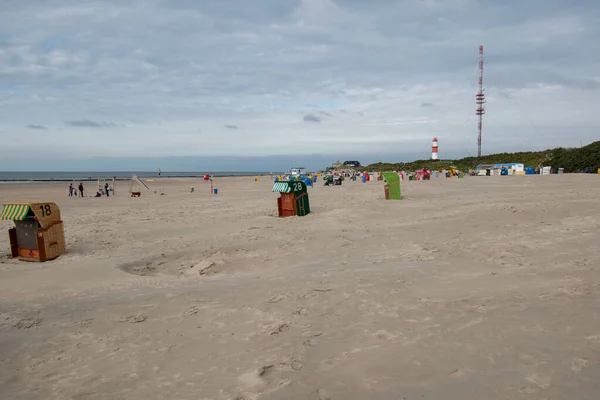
x=81, y=189
x=106, y=189
x=71, y=189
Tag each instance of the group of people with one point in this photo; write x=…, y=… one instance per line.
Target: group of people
x=333, y=180
x=74, y=192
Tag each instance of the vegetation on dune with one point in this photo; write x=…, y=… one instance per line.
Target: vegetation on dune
x=577, y=159
x=572, y=160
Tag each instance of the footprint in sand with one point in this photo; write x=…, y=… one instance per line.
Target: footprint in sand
x=192, y=310
x=262, y=380
x=593, y=340
x=384, y=335
x=539, y=383
x=280, y=329
x=459, y=372
x=310, y=342
x=311, y=339
x=292, y=364
x=297, y=365
x=83, y=322
x=329, y=364
x=315, y=293
x=579, y=364
x=300, y=311
x=319, y=394
x=266, y=371
x=276, y=299
x=27, y=323
x=134, y=319
x=256, y=378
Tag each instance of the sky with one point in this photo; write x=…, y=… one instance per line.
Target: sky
x=122, y=84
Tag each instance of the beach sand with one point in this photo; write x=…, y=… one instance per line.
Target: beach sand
x=475, y=288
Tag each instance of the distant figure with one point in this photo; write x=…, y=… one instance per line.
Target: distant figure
x=192, y=189
x=106, y=189
x=71, y=188
x=80, y=189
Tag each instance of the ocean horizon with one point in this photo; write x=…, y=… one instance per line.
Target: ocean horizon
x=62, y=176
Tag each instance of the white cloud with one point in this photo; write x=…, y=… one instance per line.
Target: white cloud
x=159, y=70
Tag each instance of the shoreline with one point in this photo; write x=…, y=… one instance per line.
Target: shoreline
x=123, y=178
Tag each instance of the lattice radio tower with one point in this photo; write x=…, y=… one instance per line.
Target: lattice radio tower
x=480, y=100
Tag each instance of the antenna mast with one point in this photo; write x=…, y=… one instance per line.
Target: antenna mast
x=480, y=100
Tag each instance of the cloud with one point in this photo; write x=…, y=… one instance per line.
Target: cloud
x=311, y=118
x=90, y=124
x=426, y=105
x=230, y=126
x=35, y=126
x=52, y=43
x=371, y=64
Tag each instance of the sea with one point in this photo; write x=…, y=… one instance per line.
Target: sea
x=49, y=176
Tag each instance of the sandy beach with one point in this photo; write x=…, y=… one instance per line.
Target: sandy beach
x=475, y=288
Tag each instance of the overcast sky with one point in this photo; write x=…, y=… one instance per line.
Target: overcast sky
x=365, y=79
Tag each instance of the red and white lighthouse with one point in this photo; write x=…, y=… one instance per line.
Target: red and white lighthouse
x=434, y=149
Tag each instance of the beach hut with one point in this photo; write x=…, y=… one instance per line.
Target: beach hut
x=392, y=186
x=38, y=234
x=293, y=198
x=423, y=175
x=546, y=171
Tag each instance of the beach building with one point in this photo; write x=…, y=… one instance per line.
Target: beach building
x=336, y=165
x=496, y=169
x=297, y=171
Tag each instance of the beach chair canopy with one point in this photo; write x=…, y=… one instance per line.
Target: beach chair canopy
x=15, y=212
x=282, y=187
x=46, y=214
x=298, y=187
x=391, y=177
